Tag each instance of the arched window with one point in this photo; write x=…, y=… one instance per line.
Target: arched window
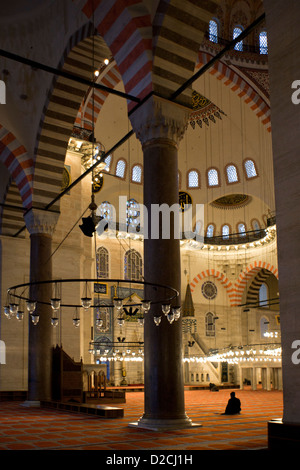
x=255, y=225
x=210, y=230
x=133, y=266
x=213, y=177
x=213, y=31
x=237, y=30
x=225, y=232
x=107, y=162
x=120, y=168
x=193, y=179
x=102, y=263
x=242, y=229
x=133, y=213
x=210, y=327
x=136, y=175
x=263, y=42
x=105, y=210
x=231, y=174
x=264, y=326
x=263, y=295
x=250, y=169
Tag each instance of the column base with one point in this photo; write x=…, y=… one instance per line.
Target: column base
x=31, y=404
x=164, y=424
x=283, y=436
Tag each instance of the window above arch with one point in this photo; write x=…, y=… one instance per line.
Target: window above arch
x=232, y=174
x=120, y=168
x=136, y=174
x=237, y=30
x=213, y=31
x=193, y=179
x=250, y=169
x=263, y=42
x=263, y=295
x=213, y=178
x=210, y=325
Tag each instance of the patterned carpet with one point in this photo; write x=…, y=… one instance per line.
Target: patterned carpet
x=23, y=428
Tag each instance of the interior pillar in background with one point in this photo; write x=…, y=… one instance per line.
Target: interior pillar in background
x=282, y=21
x=160, y=125
x=40, y=225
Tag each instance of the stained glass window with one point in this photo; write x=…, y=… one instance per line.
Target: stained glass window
x=137, y=174
x=210, y=326
x=232, y=176
x=213, y=31
x=250, y=169
x=133, y=213
x=193, y=179
x=105, y=210
x=225, y=232
x=263, y=42
x=210, y=230
x=242, y=230
x=108, y=162
x=102, y=263
x=120, y=170
x=133, y=266
x=213, y=177
x=236, y=32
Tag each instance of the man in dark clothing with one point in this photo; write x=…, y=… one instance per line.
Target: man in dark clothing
x=233, y=406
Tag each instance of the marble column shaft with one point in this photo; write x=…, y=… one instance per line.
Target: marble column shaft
x=160, y=125
x=40, y=226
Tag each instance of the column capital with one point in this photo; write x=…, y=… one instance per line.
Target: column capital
x=159, y=118
x=41, y=221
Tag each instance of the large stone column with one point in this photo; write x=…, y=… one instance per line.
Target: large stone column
x=40, y=225
x=282, y=20
x=160, y=125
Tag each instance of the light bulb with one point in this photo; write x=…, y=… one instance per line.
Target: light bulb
x=166, y=308
x=118, y=303
x=13, y=308
x=54, y=321
x=86, y=302
x=146, y=305
x=6, y=310
x=76, y=322
x=55, y=303
x=157, y=320
x=31, y=306
x=20, y=315
x=171, y=317
x=35, y=319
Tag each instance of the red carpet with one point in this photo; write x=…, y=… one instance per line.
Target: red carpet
x=23, y=428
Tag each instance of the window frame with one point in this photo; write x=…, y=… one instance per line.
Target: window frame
x=192, y=170
x=137, y=165
x=128, y=265
x=237, y=47
x=255, y=167
x=207, y=177
x=226, y=173
x=125, y=169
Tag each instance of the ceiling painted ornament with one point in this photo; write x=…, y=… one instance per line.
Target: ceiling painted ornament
x=204, y=111
x=231, y=201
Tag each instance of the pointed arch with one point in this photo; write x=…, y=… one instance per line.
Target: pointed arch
x=224, y=281
x=238, y=84
x=14, y=156
x=246, y=277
